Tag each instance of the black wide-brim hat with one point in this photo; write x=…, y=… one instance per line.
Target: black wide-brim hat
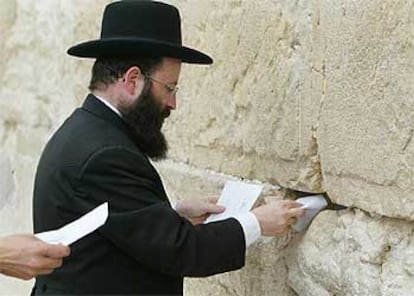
x=138, y=28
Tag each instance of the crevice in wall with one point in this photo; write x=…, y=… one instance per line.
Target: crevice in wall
x=410, y=137
x=312, y=174
x=289, y=287
x=316, y=127
x=314, y=171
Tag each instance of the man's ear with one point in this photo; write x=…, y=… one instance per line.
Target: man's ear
x=133, y=80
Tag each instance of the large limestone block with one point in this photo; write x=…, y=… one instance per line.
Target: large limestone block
x=265, y=271
x=251, y=113
x=39, y=71
x=352, y=253
x=7, y=18
x=365, y=131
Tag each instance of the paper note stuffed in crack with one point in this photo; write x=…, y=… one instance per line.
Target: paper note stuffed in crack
x=77, y=229
x=238, y=197
x=313, y=205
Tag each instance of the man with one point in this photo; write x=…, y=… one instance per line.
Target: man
x=101, y=154
x=24, y=256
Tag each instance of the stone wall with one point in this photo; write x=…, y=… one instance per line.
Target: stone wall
x=314, y=96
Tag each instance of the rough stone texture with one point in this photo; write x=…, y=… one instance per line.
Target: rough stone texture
x=342, y=253
x=311, y=95
x=250, y=114
x=7, y=187
x=353, y=254
x=366, y=54
x=291, y=76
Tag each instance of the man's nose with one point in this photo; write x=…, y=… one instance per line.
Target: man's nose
x=172, y=102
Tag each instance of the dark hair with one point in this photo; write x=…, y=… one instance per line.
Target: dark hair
x=107, y=70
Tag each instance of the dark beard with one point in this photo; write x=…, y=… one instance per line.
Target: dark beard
x=145, y=119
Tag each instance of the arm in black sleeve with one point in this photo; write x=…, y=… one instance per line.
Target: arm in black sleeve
x=142, y=223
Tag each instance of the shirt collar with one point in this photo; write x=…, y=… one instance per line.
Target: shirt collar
x=109, y=105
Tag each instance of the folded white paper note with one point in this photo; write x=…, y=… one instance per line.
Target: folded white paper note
x=77, y=229
x=313, y=205
x=238, y=197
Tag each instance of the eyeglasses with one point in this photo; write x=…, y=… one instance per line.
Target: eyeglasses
x=169, y=87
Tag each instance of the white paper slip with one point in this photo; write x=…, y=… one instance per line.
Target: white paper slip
x=313, y=205
x=77, y=229
x=238, y=197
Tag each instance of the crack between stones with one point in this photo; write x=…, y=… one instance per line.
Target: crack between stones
x=323, y=92
x=313, y=157
x=410, y=137
x=378, y=216
x=287, y=274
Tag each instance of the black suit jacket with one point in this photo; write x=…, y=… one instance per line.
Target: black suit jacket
x=145, y=247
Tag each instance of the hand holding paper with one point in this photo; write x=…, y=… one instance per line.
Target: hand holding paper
x=237, y=198
x=273, y=218
x=313, y=205
x=197, y=211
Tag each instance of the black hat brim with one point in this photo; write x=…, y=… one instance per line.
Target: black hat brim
x=119, y=47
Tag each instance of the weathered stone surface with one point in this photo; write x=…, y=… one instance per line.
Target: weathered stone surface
x=250, y=114
x=7, y=18
x=7, y=189
x=365, y=51
x=353, y=254
x=297, y=83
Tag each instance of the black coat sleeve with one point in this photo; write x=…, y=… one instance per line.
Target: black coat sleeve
x=142, y=224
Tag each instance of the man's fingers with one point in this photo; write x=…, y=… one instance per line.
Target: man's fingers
x=56, y=251
x=198, y=220
x=45, y=271
x=286, y=204
x=296, y=212
x=214, y=209
x=42, y=263
x=213, y=199
x=292, y=220
x=293, y=204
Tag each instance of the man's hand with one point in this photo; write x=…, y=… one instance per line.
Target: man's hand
x=25, y=256
x=276, y=217
x=197, y=211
